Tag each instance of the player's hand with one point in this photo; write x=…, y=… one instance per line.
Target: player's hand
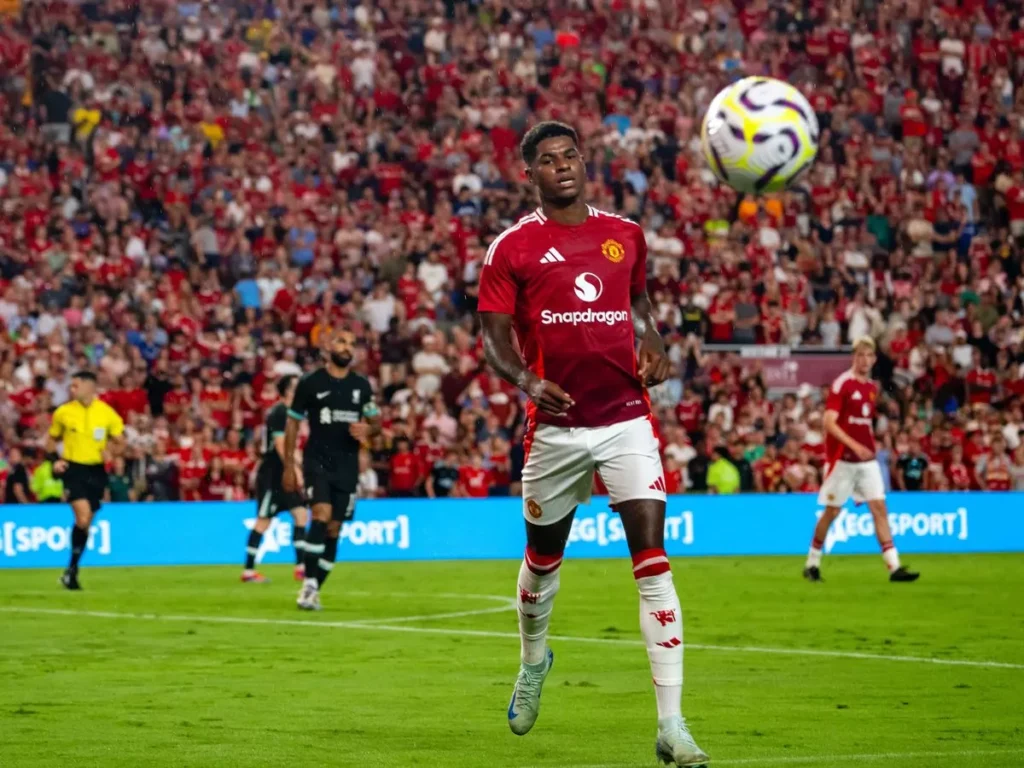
x=289, y=481
x=653, y=365
x=60, y=467
x=549, y=397
x=863, y=452
x=360, y=430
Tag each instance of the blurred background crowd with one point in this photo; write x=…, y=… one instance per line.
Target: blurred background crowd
x=192, y=192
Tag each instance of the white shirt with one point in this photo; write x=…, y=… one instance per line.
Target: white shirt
x=363, y=70
x=136, y=249
x=723, y=408
x=379, y=312
x=433, y=276
x=48, y=323
x=963, y=355
x=430, y=366
x=470, y=180
x=436, y=40
x=269, y=286
x=953, y=52
x=286, y=368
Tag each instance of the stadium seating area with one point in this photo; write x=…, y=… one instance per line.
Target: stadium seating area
x=191, y=192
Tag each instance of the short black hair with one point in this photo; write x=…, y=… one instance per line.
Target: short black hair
x=549, y=129
x=283, y=384
x=84, y=376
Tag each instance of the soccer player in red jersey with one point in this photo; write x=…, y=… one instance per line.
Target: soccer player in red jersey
x=570, y=282
x=851, y=468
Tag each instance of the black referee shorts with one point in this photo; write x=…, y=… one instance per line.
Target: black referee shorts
x=85, y=481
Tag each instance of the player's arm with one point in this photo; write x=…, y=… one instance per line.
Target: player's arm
x=115, y=434
x=55, y=433
x=370, y=426
x=296, y=415
x=653, y=365
x=506, y=361
x=831, y=422
x=276, y=425
x=499, y=290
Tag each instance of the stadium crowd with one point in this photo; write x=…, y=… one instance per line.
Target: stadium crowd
x=192, y=192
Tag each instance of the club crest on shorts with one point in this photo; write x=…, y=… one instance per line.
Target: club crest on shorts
x=534, y=509
x=613, y=250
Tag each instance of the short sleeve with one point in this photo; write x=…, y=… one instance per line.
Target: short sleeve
x=638, y=276
x=370, y=409
x=276, y=421
x=57, y=425
x=498, y=285
x=116, y=426
x=834, y=401
x=300, y=400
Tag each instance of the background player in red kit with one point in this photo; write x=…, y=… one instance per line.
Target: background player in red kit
x=851, y=468
x=570, y=282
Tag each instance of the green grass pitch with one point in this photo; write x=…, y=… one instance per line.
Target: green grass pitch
x=188, y=667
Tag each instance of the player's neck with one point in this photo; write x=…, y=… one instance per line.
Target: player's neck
x=568, y=214
x=337, y=371
x=86, y=401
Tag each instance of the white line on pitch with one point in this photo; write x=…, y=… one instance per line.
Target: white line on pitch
x=356, y=624
x=507, y=604
x=510, y=605
x=818, y=759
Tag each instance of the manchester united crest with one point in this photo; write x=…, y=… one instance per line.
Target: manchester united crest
x=613, y=251
x=534, y=509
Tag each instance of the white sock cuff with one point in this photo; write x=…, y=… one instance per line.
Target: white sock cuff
x=657, y=588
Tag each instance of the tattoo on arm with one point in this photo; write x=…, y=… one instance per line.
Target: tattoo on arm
x=501, y=352
x=644, y=324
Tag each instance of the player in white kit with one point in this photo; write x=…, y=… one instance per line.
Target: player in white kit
x=570, y=282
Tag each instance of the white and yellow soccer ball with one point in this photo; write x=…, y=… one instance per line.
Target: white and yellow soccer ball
x=759, y=134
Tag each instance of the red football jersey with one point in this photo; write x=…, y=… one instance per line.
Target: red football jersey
x=569, y=291
x=474, y=481
x=854, y=400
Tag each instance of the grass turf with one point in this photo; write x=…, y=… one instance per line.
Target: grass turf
x=127, y=673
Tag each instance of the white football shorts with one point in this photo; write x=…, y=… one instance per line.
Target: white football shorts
x=560, y=466
x=861, y=479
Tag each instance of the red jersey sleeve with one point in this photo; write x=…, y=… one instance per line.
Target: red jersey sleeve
x=638, y=277
x=498, y=285
x=834, y=401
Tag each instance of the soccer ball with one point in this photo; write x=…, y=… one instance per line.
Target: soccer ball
x=759, y=135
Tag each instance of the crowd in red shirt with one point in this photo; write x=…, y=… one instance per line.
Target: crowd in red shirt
x=192, y=192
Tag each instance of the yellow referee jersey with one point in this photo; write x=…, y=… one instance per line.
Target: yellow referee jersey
x=85, y=430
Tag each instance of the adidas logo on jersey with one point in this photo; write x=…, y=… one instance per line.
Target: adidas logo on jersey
x=552, y=257
x=856, y=395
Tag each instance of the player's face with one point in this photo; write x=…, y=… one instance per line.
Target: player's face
x=558, y=172
x=863, y=360
x=82, y=389
x=341, y=348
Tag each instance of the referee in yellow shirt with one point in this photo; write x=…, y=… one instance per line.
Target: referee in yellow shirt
x=85, y=424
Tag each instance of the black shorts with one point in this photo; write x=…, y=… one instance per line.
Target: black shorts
x=85, y=481
x=321, y=490
x=272, y=498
